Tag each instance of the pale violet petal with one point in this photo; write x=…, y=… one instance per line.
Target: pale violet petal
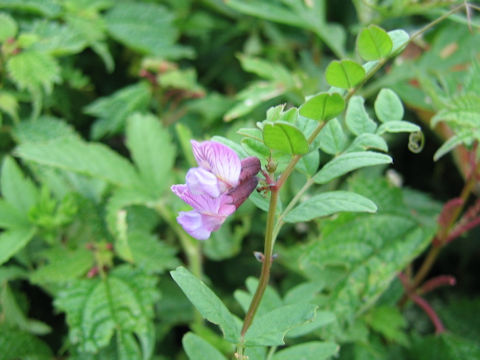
x=193, y=223
x=201, y=181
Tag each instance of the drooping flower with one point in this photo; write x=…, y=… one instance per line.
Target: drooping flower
x=216, y=188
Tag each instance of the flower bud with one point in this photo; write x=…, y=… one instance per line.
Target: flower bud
x=250, y=167
x=243, y=191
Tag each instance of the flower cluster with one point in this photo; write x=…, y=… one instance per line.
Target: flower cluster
x=216, y=188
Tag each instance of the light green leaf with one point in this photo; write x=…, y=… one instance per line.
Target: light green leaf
x=331, y=138
x=323, y=107
x=9, y=104
x=314, y=350
x=8, y=27
x=373, y=43
x=308, y=164
x=396, y=126
x=120, y=303
x=284, y=137
x=322, y=318
x=18, y=190
x=11, y=217
x=388, y=321
x=56, y=39
x=44, y=128
x=16, y=344
x=267, y=70
x=344, y=74
x=330, y=203
x=399, y=39
x=304, y=292
x=388, y=106
x=357, y=119
x=34, y=70
x=12, y=272
x=270, y=328
x=92, y=159
x=12, y=241
x=347, y=162
x=207, y=303
x=447, y=146
x=368, y=142
x=112, y=111
x=198, y=349
x=144, y=27
x=152, y=151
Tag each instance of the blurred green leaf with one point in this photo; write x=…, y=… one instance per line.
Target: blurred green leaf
x=267, y=70
x=373, y=43
x=48, y=8
x=285, y=137
x=9, y=104
x=323, y=107
x=445, y=346
x=314, y=350
x=330, y=203
x=388, y=321
x=347, y=162
x=44, y=128
x=270, y=300
x=198, y=349
x=8, y=27
x=11, y=217
x=12, y=241
x=344, y=74
x=357, y=119
x=56, y=39
x=16, y=344
x=388, y=106
x=399, y=39
x=207, y=303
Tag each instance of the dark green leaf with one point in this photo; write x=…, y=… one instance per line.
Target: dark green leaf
x=388, y=321
x=314, y=350
x=323, y=107
x=344, y=74
x=373, y=43
x=198, y=349
x=284, y=137
x=16, y=344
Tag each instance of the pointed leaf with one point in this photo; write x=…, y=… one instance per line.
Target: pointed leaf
x=365, y=142
x=388, y=106
x=373, y=43
x=314, y=350
x=12, y=241
x=357, y=119
x=284, y=137
x=447, y=146
x=349, y=161
x=323, y=107
x=344, y=74
x=198, y=349
x=330, y=203
x=207, y=303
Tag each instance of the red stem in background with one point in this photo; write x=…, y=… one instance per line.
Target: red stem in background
x=439, y=328
x=432, y=284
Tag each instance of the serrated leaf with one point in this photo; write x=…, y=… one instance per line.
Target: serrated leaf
x=270, y=328
x=323, y=107
x=198, y=349
x=388, y=106
x=152, y=151
x=16, y=344
x=92, y=159
x=344, y=74
x=112, y=111
x=43, y=128
x=330, y=203
x=144, y=27
x=314, y=350
x=34, y=70
x=331, y=138
x=284, y=137
x=373, y=43
x=8, y=27
x=357, y=119
x=395, y=126
x=12, y=241
x=17, y=190
x=207, y=303
x=365, y=142
x=122, y=303
x=347, y=162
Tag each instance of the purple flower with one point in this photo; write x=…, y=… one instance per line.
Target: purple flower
x=216, y=188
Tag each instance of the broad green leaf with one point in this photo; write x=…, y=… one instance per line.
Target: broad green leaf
x=388, y=321
x=256, y=148
x=44, y=128
x=399, y=39
x=145, y=27
x=284, y=137
x=314, y=350
x=322, y=319
x=63, y=265
x=122, y=303
x=92, y=159
x=34, y=70
x=17, y=190
x=152, y=151
x=112, y=111
x=57, y=39
x=373, y=43
x=347, y=162
x=323, y=107
x=8, y=27
x=11, y=217
x=388, y=106
x=331, y=138
x=304, y=292
x=207, y=303
x=270, y=329
x=357, y=119
x=365, y=142
x=16, y=344
x=12, y=241
x=396, y=126
x=330, y=203
x=9, y=104
x=344, y=74
x=198, y=349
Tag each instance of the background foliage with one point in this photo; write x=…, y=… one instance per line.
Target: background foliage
x=98, y=102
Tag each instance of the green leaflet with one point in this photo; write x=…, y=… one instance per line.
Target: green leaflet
x=344, y=74
x=373, y=43
x=314, y=350
x=388, y=106
x=198, y=349
x=357, y=119
x=207, y=303
x=8, y=27
x=284, y=137
x=12, y=241
x=323, y=107
x=97, y=309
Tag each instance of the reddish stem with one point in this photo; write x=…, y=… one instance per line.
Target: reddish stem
x=439, y=328
x=432, y=284
x=462, y=229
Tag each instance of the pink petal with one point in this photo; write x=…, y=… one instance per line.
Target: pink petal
x=219, y=159
x=192, y=223
x=201, y=181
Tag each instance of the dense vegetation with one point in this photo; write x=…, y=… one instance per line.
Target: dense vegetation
x=361, y=241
